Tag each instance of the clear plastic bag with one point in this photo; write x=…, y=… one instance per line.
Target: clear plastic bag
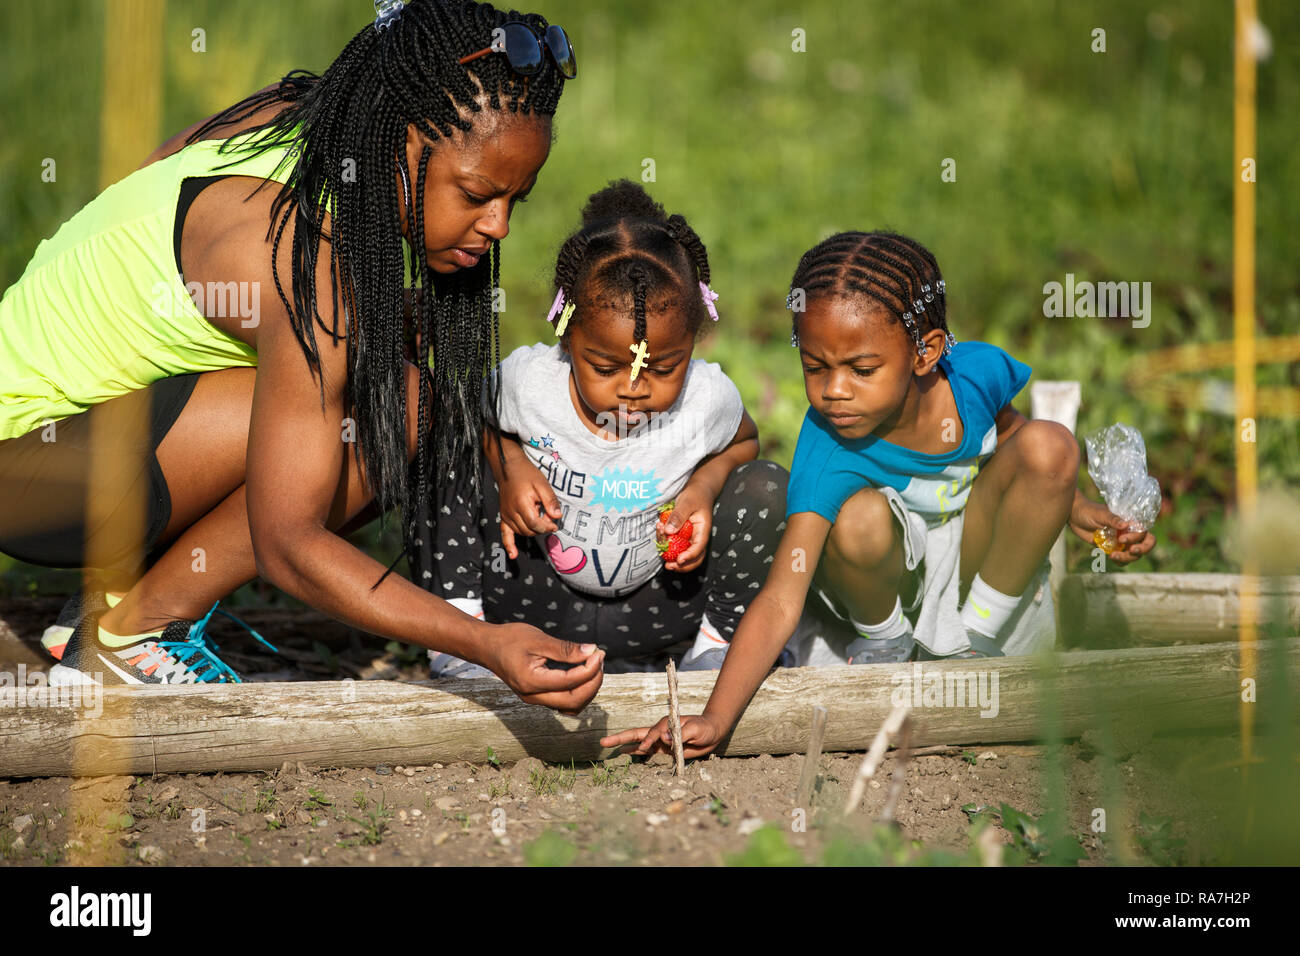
x=1117, y=462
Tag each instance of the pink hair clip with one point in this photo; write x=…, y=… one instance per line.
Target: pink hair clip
x=709, y=298
x=556, y=305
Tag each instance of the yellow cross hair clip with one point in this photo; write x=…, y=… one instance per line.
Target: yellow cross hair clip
x=642, y=352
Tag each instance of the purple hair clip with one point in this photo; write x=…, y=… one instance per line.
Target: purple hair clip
x=556, y=306
x=709, y=298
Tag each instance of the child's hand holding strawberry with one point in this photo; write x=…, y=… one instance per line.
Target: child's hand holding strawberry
x=683, y=530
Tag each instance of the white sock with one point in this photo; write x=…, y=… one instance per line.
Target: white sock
x=471, y=606
x=894, y=626
x=986, y=609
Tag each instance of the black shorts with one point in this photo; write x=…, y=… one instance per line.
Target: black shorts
x=45, y=484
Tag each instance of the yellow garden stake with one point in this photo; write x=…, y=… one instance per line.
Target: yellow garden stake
x=1243, y=303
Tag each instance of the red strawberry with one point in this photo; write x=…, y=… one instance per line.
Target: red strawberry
x=671, y=547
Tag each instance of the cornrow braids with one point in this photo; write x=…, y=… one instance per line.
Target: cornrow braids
x=629, y=250
x=898, y=273
x=356, y=116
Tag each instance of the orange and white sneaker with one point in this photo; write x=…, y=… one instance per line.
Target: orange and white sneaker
x=181, y=653
x=82, y=602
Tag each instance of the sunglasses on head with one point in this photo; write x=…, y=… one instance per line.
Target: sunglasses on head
x=524, y=51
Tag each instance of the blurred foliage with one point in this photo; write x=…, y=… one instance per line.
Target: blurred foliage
x=1112, y=166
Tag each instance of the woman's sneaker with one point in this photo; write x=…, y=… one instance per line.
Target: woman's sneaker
x=82, y=602
x=179, y=654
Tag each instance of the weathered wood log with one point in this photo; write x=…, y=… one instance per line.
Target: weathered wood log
x=143, y=730
x=1127, y=609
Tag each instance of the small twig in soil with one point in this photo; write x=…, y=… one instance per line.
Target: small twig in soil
x=809, y=775
x=900, y=771
x=675, y=722
x=937, y=749
x=878, y=746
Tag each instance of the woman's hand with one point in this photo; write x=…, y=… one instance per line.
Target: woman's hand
x=1086, y=517
x=518, y=654
x=693, y=505
x=700, y=735
x=528, y=503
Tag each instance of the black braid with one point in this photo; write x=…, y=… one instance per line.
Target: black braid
x=887, y=268
x=630, y=252
x=358, y=113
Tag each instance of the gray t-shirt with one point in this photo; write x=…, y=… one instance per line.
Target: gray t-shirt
x=611, y=491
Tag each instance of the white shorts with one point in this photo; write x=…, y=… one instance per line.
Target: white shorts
x=929, y=598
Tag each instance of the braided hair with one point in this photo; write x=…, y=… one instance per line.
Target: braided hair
x=348, y=128
x=629, y=250
x=897, y=272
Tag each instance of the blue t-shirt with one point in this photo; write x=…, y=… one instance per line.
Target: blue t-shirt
x=828, y=470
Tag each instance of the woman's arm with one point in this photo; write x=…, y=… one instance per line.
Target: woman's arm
x=766, y=626
x=298, y=486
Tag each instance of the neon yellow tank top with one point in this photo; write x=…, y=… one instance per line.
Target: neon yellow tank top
x=100, y=311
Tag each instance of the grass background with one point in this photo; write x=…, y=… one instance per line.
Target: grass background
x=1114, y=166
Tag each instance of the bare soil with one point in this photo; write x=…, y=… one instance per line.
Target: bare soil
x=620, y=812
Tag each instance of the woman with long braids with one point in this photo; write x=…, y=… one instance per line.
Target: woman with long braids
x=277, y=422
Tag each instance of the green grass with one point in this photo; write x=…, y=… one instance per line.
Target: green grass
x=1112, y=166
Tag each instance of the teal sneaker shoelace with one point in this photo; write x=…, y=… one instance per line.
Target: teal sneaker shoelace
x=198, y=649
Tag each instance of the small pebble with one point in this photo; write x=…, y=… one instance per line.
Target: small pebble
x=22, y=823
x=435, y=766
x=430, y=779
x=483, y=798
x=417, y=813
x=441, y=838
x=446, y=803
x=150, y=854
x=677, y=806
x=678, y=794
x=384, y=770
x=749, y=825
x=656, y=819
x=408, y=772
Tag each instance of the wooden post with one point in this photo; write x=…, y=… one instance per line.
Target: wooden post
x=808, y=777
x=243, y=727
x=1056, y=402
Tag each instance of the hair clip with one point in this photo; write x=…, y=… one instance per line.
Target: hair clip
x=709, y=298
x=918, y=305
x=929, y=296
x=916, y=333
x=556, y=305
x=939, y=287
x=794, y=339
x=642, y=352
x=564, y=319
x=386, y=11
